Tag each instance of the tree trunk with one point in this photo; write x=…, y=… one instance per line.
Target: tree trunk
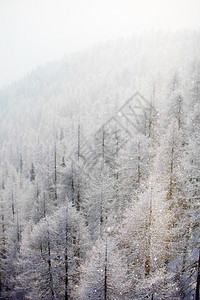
x=105, y=273
x=72, y=184
x=179, y=112
x=148, y=258
x=170, y=195
x=50, y=270
x=198, y=279
x=1, y=286
x=66, y=261
x=102, y=198
x=13, y=208
x=78, y=206
x=139, y=172
x=55, y=172
x=44, y=204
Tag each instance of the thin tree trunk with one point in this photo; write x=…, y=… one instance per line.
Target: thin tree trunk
x=3, y=229
x=1, y=286
x=13, y=207
x=72, y=185
x=66, y=275
x=78, y=185
x=18, y=228
x=148, y=258
x=198, y=279
x=50, y=269
x=66, y=259
x=3, y=250
x=55, y=172
x=179, y=112
x=101, y=212
x=139, y=172
x=44, y=204
x=102, y=200
x=170, y=195
x=79, y=143
x=105, y=272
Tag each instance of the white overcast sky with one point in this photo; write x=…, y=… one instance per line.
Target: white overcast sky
x=33, y=32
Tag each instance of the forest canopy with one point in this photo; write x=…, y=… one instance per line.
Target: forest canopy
x=99, y=173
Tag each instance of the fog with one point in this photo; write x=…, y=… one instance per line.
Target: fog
x=34, y=32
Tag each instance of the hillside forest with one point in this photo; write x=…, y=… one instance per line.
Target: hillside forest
x=100, y=173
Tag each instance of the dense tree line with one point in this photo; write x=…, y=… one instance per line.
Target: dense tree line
x=99, y=187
